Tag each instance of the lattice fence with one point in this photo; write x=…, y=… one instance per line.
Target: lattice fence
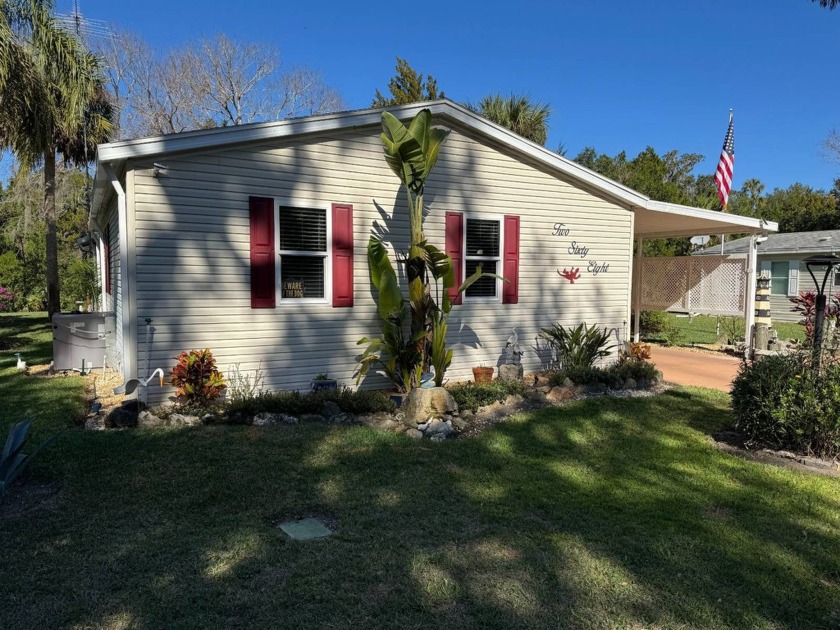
x=709, y=285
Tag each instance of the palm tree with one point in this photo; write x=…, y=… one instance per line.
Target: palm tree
x=52, y=100
x=830, y=4
x=518, y=114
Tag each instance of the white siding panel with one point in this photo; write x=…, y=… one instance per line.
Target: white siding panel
x=192, y=250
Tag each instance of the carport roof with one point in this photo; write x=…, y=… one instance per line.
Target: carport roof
x=653, y=218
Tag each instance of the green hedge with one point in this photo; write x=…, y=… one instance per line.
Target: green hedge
x=782, y=402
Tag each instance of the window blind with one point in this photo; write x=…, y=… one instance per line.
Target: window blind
x=482, y=238
x=484, y=286
x=302, y=276
x=303, y=230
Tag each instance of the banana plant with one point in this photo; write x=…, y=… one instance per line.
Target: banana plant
x=400, y=356
x=411, y=153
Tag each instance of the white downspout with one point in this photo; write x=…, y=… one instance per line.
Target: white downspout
x=637, y=282
x=125, y=293
x=749, y=309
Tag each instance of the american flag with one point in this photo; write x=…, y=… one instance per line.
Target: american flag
x=723, y=176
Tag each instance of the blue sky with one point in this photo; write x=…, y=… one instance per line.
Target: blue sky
x=618, y=75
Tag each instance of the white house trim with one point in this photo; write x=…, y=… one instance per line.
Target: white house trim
x=128, y=353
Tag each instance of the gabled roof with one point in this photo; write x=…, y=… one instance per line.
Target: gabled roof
x=822, y=241
x=115, y=155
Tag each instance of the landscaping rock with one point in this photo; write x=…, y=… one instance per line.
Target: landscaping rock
x=182, y=420
x=124, y=416
x=510, y=372
x=341, y=418
x=422, y=403
x=330, y=409
x=95, y=423
x=266, y=419
x=540, y=380
x=545, y=389
x=147, y=419
x=415, y=434
x=560, y=394
x=458, y=424
x=438, y=427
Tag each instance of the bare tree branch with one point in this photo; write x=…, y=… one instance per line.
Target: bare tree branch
x=208, y=83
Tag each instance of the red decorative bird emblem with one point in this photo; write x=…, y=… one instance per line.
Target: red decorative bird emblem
x=570, y=275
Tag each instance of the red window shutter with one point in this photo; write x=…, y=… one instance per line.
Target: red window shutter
x=342, y=255
x=106, y=258
x=263, y=293
x=510, y=289
x=455, y=249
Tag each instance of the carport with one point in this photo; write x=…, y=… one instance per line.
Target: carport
x=713, y=285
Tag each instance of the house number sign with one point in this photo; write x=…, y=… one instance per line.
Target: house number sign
x=581, y=250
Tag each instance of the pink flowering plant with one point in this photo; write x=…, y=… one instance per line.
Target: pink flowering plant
x=7, y=299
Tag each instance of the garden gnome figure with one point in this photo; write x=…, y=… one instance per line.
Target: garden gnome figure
x=513, y=351
x=512, y=369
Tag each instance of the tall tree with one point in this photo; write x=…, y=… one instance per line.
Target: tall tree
x=408, y=86
x=213, y=82
x=50, y=101
x=517, y=113
x=831, y=146
x=829, y=4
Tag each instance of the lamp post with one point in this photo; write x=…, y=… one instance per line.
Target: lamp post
x=829, y=261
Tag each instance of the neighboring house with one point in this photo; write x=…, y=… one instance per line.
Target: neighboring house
x=252, y=241
x=780, y=257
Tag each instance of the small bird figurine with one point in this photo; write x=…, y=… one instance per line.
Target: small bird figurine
x=21, y=364
x=133, y=383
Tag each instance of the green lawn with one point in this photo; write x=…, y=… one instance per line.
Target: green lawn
x=608, y=513
x=702, y=329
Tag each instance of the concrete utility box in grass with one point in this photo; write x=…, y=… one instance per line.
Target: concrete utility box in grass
x=78, y=336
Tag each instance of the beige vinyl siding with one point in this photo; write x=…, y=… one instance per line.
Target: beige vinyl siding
x=192, y=252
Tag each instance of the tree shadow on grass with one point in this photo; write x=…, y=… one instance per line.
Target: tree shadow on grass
x=603, y=513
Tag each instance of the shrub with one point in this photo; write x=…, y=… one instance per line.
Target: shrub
x=639, y=351
x=579, y=347
x=471, y=396
x=295, y=403
x=653, y=323
x=7, y=299
x=732, y=329
x=656, y=326
x=782, y=401
x=613, y=376
x=196, y=377
x=244, y=386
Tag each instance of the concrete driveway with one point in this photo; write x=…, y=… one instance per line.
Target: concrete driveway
x=691, y=367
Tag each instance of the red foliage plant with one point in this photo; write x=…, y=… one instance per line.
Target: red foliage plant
x=639, y=351
x=196, y=377
x=806, y=305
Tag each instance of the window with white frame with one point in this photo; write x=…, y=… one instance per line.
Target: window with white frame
x=303, y=253
x=837, y=279
x=483, y=247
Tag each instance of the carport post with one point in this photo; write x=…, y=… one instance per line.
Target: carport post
x=749, y=309
x=637, y=283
